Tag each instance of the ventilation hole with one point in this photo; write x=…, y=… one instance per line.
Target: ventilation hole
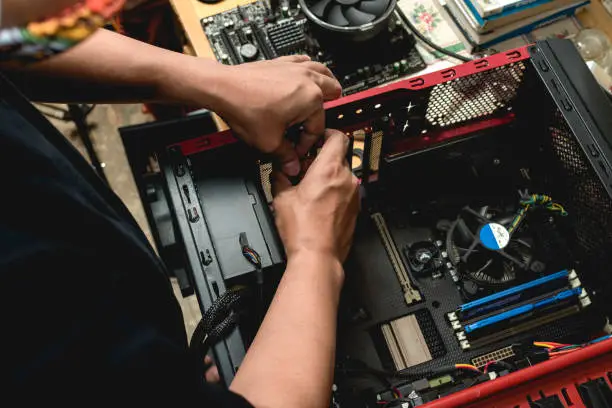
x=435, y=304
x=481, y=63
x=566, y=397
x=542, y=394
x=417, y=82
x=529, y=400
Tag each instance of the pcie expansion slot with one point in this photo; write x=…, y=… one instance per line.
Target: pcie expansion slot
x=411, y=294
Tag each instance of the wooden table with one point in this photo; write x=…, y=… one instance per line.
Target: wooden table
x=190, y=12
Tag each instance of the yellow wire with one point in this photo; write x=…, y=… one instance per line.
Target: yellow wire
x=543, y=344
x=466, y=366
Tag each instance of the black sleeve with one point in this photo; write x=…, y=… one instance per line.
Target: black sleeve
x=87, y=312
x=75, y=332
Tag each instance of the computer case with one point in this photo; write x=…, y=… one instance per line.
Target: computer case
x=531, y=118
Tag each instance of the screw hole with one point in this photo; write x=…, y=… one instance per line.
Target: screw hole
x=435, y=304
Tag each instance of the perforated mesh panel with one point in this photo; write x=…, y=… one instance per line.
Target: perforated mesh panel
x=589, y=200
x=375, y=150
x=265, y=170
x=474, y=96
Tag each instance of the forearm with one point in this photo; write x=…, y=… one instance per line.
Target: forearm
x=291, y=361
x=109, y=67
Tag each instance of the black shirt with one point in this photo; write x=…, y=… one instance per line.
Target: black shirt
x=86, y=310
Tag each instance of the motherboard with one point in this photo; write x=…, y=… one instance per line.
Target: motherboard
x=257, y=32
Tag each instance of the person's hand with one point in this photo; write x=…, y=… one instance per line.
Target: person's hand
x=260, y=100
x=318, y=215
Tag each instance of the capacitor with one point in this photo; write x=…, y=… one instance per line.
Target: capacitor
x=248, y=51
x=396, y=66
x=404, y=65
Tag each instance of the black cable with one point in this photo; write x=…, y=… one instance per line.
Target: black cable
x=254, y=259
x=427, y=41
x=216, y=323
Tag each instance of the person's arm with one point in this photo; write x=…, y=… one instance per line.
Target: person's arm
x=291, y=361
x=258, y=100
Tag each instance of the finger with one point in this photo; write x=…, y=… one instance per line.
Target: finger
x=319, y=68
x=280, y=183
x=335, y=147
x=293, y=58
x=208, y=360
x=306, y=142
x=330, y=87
x=212, y=375
x=306, y=163
x=314, y=127
x=288, y=158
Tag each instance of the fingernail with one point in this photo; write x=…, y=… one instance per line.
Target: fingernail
x=291, y=168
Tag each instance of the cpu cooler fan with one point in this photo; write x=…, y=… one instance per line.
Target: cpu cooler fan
x=357, y=19
x=494, y=246
x=344, y=13
x=488, y=254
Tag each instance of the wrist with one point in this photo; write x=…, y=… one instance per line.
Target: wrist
x=318, y=262
x=190, y=80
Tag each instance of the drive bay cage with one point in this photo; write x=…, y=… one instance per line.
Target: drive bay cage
x=486, y=226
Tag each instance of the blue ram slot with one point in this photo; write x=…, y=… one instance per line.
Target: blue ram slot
x=516, y=289
x=566, y=294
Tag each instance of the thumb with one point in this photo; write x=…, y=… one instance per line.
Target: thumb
x=288, y=158
x=280, y=183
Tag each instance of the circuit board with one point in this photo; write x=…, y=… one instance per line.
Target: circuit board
x=256, y=32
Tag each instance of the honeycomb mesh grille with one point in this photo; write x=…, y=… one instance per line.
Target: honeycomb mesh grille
x=375, y=150
x=474, y=96
x=265, y=171
x=587, y=199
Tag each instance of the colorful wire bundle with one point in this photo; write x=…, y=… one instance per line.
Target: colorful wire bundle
x=42, y=39
x=467, y=367
x=534, y=201
x=559, y=349
x=252, y=256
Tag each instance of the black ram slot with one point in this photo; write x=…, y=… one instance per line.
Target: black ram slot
x=521, y=319
x=263, y=44
x=521, y=328
x=229, y=46
x=515, y=305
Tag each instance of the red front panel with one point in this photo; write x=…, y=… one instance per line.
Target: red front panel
x=560, y=376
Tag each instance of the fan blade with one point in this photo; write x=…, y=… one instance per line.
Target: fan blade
x=376, y=7
x=319, y=8
x=347, y=2
x=357, y=17
x=335, y=17
x=463, y=237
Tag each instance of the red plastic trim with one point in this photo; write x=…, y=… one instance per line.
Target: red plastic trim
x=438, y=77
x=412, y=144
x=549, y=376
x=206, y=142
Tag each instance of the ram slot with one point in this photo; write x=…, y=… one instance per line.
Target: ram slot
x=229, y=46
x=502, y=309
x=411, y=294
x=513, y=331
x=527, y=311
x=262, y=41
x=515, y=295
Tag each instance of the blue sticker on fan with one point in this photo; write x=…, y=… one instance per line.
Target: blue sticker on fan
x=494, y=236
